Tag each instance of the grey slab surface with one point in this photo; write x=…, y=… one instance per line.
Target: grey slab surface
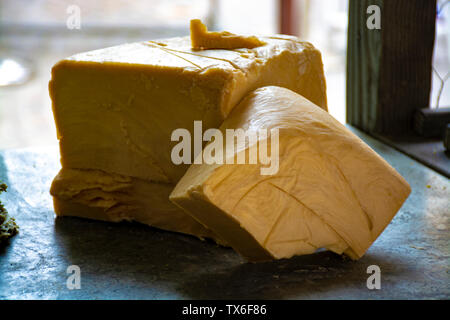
x=132, y=261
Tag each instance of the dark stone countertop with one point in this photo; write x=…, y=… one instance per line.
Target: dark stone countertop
x=132, y=261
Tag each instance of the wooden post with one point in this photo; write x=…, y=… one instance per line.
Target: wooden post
x=288, y=17
x=389, y=69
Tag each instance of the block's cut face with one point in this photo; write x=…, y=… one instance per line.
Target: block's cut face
x=331, y=190
x=116, y=108
x=95, y=194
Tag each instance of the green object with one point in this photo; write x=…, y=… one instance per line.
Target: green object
x=8, y=226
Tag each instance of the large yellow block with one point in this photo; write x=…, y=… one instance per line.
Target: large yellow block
x=331, y=190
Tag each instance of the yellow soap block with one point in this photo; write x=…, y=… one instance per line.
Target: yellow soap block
x=330, y=189
x=116, y=109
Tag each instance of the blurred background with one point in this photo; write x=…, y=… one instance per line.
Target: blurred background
x=35, y=34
